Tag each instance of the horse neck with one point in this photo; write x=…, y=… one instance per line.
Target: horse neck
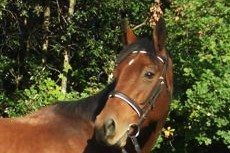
x=87, y=108
x=150, y=138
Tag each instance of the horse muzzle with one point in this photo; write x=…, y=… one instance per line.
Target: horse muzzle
x=107, y=134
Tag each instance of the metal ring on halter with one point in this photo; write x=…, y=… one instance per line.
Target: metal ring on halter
x=135, y=130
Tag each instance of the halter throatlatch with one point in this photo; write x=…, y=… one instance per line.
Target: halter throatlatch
x=134, y=128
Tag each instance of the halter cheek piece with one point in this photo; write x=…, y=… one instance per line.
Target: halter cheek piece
x=135, y=127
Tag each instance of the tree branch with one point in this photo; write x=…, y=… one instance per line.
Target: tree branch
x=141, y=25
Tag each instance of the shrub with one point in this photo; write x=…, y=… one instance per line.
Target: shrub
x=199, y=42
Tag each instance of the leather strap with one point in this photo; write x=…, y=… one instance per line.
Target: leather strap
x=128, y=100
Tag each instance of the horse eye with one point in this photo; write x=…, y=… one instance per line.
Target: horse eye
x=149, y=75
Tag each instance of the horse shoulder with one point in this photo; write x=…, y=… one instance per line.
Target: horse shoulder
x=44, y=131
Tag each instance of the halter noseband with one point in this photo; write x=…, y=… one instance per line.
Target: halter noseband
x=128, y=100
x=150, y=102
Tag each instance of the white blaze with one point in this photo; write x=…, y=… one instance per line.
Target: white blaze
x=131, y=62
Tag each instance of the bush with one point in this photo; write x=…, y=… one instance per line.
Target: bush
x=199, y=42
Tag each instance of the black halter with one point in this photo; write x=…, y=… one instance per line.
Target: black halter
x=149, y=104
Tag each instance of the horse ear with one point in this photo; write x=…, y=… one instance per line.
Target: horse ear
x=159, y=37
x=129, y=35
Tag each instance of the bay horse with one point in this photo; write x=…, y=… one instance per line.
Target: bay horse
x=137, y=108
x=65, y=127
x=68, y=127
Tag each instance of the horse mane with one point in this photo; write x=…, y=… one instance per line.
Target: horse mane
x=87, y=108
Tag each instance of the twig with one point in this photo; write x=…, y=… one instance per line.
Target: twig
x=51, y=68
x=140, y=25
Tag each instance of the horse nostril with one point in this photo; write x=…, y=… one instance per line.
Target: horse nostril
x=109, y=128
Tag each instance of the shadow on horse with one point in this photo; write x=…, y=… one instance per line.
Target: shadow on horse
x=126, y=116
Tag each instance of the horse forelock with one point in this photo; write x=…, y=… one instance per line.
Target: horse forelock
x=142, y=44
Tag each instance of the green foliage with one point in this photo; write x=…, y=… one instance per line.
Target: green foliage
x=38, y=95
x=209, y=100
x=199, y=41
